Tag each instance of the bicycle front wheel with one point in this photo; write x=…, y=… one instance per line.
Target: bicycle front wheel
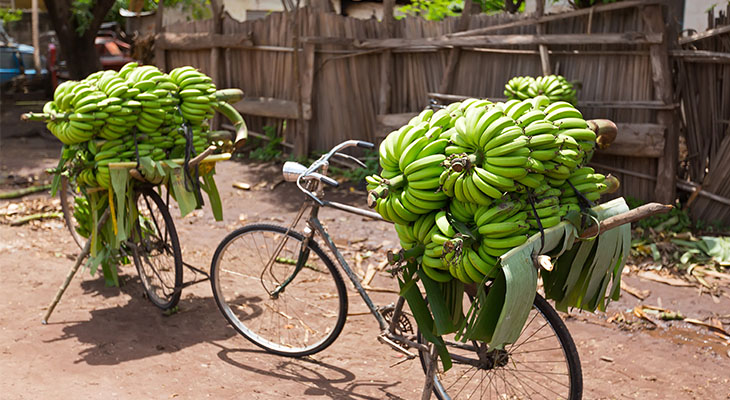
x=282, y=310
x=542, y=364
x=157, y=253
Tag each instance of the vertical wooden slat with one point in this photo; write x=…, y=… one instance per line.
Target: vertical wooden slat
x=301, y=141
x=386, y=59
x=665, y=190
x=215, y=52
x=160, y=59
x=544, y=57
x=455, y=53
x=307, y=87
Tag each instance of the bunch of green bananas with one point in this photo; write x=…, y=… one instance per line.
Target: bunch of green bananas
x=471, y=181
x=555, y=87
x=82, y=214
x=197, y=99
x=411, y=159
x=139, y=111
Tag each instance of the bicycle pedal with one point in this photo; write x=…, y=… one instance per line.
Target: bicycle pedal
x=395, y=346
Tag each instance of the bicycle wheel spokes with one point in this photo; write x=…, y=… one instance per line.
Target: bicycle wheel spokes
x=303, y=317
x=541, y=364
x=158, y=257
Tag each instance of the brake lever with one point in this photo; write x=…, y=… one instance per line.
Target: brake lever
x=351, y=158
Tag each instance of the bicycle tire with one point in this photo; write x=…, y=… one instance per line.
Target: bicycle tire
x=309, y=296
x=67, y=208
x=525, y=379
x=157, y=241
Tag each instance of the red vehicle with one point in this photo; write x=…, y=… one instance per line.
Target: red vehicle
x=113, y=52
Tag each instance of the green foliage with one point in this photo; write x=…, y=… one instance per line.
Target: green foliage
x=677, y=220
x=358, y=174
x=10, y=15
x=495, y=6
x=590, y=3
x=197, y=10
x=436, y=10
x=267, y=150
x=433, y=10
x=81, y=15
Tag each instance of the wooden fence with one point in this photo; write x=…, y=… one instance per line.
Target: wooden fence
x=703, y=83
x=350, y=78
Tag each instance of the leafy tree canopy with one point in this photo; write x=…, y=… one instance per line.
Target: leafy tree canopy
x=436, y=10
x=83, y=16
x=10, y=15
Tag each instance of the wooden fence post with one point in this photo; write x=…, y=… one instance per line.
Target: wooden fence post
x=544, y=56
x=160, y=58
x=665, y=190
x=386, y=59
x=301, y=138
x=215, y=52
x=307, y=85
x=455, y=53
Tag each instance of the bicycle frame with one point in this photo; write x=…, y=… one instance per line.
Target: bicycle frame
x=388, y=333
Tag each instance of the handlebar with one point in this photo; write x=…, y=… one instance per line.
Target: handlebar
x=310, y=172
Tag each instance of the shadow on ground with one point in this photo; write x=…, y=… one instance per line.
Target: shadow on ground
x=138, y=329
x=321, y=379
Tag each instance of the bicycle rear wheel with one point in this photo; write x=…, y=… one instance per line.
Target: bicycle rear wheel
x=542, y=364
x=156, y=252
x=303, y=318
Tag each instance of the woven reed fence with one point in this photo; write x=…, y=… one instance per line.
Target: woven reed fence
x=703, y=83
x=355, y=78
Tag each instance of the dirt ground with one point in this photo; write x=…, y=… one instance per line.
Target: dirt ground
x=104, y=342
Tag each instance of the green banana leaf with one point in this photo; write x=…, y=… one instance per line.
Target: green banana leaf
x=443, y=322
x=419, y=309
x=120, y=185
x=582, y=273
x=185, y=200
x=520, y=277
x=597, y=263
x=716, y=247
x=214, y=198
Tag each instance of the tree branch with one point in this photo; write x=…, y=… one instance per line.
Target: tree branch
x=99, y=11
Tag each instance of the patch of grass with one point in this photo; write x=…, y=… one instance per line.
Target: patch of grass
x=267, y=150
x=676, y=220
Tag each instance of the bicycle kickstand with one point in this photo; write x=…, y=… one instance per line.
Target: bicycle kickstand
x=383, y=338
x=430, y=373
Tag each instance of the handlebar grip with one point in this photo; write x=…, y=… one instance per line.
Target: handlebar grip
x=328, y=180
x=365, y=145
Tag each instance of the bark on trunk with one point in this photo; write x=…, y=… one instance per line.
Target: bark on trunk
x=78, y=50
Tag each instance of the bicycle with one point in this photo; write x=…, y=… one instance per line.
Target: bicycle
x=281, y=291
x=154, y=246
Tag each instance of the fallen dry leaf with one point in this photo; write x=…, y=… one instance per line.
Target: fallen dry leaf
x=653, y=276
x=639, y=313
x=714, y=324
x=639, y=294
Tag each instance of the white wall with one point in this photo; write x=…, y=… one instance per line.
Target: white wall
x=695, y=13
x=237, y=8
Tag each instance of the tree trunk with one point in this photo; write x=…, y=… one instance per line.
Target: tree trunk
x=79, y=51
